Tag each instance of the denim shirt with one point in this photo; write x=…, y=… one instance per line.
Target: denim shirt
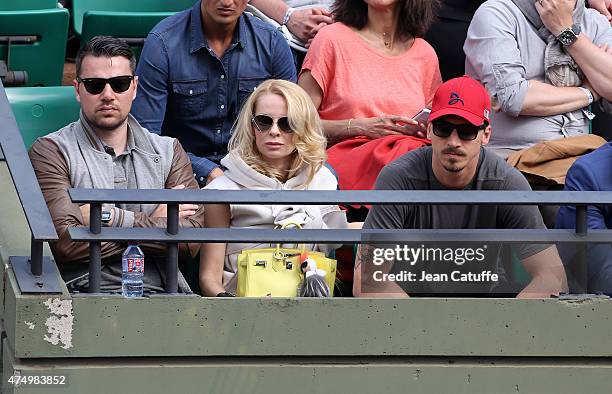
x=185, y=91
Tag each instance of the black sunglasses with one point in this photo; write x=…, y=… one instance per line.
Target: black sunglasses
x=466, y=132
x=264, y=123
x=96, y=85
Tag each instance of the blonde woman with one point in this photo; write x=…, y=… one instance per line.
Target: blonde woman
x=277, y=144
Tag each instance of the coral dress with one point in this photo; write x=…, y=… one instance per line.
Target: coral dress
x=359, y=81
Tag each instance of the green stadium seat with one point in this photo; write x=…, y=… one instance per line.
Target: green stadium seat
x=131, y=26
x=34, y=42
x=42, y=110
x=80, y=7
x=23, y=5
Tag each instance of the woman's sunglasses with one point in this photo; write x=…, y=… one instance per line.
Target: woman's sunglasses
x=264, y=123
x=466, y=132
x=96, y=85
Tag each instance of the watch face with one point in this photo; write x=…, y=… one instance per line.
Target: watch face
x=567, y=37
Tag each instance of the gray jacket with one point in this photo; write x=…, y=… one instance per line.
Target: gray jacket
x=92, y=168
x=71, y=157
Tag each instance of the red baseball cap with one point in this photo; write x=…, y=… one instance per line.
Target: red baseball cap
x=464, y=97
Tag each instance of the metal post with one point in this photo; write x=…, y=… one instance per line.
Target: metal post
x=95, y=248
x=36, y=257
x=580, y=270
x=172, y=249
x=581, y=219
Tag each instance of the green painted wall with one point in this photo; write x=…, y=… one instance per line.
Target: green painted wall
x=207, y=345
x=381, y=375
x=112, y=326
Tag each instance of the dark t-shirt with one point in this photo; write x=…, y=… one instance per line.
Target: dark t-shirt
x=461, y=10
x=413, y=171
x=447, y=35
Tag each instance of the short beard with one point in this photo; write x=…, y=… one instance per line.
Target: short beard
x=105, y=127
x=453, y=169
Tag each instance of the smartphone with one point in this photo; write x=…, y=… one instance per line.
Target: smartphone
x=422, y=116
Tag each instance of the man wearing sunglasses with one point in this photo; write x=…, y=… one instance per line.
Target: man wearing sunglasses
x=196, y=70
x=107, y=149
x=457, y=160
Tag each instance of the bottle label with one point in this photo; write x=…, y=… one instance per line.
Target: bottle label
x=135, y=265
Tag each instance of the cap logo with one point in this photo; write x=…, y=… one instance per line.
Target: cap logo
x=454, y=99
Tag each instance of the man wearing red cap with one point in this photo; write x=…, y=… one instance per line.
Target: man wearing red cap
x=457, y=160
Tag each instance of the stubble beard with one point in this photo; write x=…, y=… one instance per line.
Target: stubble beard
x=453, y=167
x=105, y=126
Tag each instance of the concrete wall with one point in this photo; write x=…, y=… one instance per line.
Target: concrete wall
x=102, y=344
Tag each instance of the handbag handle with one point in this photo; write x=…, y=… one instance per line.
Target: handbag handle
x=289, y=223
x=278, y=254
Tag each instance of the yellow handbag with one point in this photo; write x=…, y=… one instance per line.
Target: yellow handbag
x=275, y=272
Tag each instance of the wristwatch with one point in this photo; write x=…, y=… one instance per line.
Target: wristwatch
x=106, y=217
x=287, y=16
x=568, y=36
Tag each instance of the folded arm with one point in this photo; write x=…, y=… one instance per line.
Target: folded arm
x=493, y=55
x=595, y=63
x=543, y=99
x=54, y=178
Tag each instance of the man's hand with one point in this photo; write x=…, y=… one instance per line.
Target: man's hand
x=85, y=213
x=556, y=14
x=217, y=172
x=306, y=23
x=185, y=210
x=603, y=6
x=385, y=125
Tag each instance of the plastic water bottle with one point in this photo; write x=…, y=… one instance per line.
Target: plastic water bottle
x=132, y=271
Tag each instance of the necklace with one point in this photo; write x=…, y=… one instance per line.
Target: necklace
x=386, y=40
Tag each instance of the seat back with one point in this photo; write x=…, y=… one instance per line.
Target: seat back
x=22, y=5
x=131, y=26
x=41, y=44
x=80, y=7
x=602, y=124
x=42, y=110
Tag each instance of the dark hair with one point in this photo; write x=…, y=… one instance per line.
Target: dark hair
x=414, y=19
x=105, y=46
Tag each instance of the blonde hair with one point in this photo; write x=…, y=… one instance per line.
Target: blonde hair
x=304, y=120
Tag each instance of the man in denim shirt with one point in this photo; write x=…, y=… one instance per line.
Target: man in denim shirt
x=197, y=68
